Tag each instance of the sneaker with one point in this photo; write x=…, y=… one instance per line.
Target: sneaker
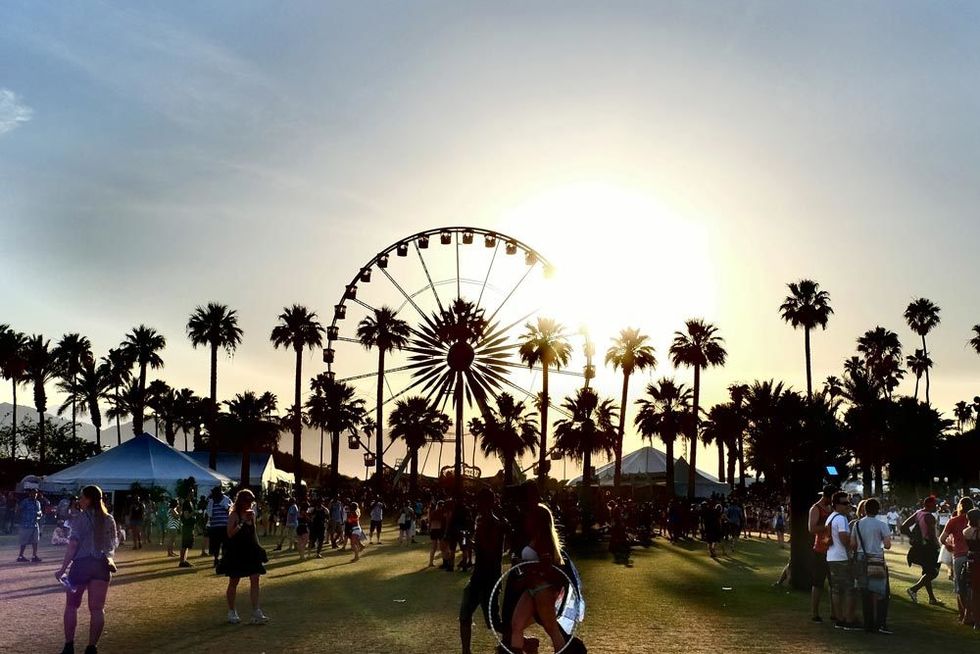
x=233, y=617
x=885, y=630
x=847, y=626
x=932, y=602
x=69, y=648
x=258, y=617
x=35, y=559
x=185, y=564
x=21, y=559
x=912, y=596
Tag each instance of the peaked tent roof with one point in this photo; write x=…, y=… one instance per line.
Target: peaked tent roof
x=144, y=459
x=648, y=465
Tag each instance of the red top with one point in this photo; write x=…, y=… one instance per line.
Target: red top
x=821, y=542
x=954, y=534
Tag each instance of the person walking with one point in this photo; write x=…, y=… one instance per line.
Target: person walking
x=405, y=520
x=217, y=513
x=817, y=526
x=954, y=542
x=839, y=562
x=172, y=526
x=377, y=519
x=188, y=524
x=318, y=526
x=488, y=536
x=137, y=515
x=436, y=522
x=91, y=546
x=923, y=549
x=335, y=526
x=29, y=525
x=243, y=557
x=352, y=530
x=292, y=522
x=779, y=526
x=972, y=572
x=870, y=540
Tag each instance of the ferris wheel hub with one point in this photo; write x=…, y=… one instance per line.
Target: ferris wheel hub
x=460, y=357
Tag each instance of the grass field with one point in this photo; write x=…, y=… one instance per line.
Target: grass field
x=672, y=600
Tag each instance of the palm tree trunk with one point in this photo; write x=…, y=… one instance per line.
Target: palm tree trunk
x=917, y=378
x=691, y=474
x=671, y=488
x=543, y=454
x=97, y=422
x=878, y=479
x=40, y=427
x=74, y=415
x=138, y=416
x=732, y=458
x=721, y=461
x=508, y=470
x=618, y=477
x=413, y=477
x=321, y=448
x=925, y=355
x=298, y=422
x=458, y=463
x=741, y=461
x=334, y=460
x=118, y=423
x=379, y=420
x=213, y=408
x=866, y=477
x=13, y=432
x=809, y=375
x=246, y=467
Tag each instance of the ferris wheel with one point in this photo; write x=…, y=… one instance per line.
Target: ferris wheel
x=466, y=294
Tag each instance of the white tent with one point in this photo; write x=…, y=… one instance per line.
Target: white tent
x=648, y=466
x=261, y=468
x=144, y=460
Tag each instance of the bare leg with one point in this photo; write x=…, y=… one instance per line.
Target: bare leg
x=231, y=592
x=253, y=591
x=523, y=616
x=72, y=602
x=97, y=591
x=544, y=606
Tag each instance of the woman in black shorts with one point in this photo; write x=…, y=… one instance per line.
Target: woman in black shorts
x=91, y=547
x=435, y=530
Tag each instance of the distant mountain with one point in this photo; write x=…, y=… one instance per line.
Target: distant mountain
x=27, y=415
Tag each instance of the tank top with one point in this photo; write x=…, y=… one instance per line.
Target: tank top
x=820, y=542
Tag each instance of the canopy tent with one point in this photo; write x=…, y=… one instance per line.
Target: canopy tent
x=262, y=467
x=144, y=460
x=648, y=466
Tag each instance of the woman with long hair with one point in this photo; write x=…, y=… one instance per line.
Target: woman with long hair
x=435, y=530
x=954, y=543
x=90, y=550
x=353, y=531
x=243, y=556
x=541, y=582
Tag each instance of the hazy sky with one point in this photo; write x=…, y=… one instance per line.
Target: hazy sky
x=674, y=160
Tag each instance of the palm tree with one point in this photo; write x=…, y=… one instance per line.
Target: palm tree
x=975, y=341
x=118, y=373
x=508, y=431
x=738, y=393
x=698, y=348
x=214, y=326
x=589, y=431
x=142, y=348
x=922, y=316
x=387, y=332
x=665, y=413
x=85, y=391
x=129, y=399
x=630, y=352
x=12, y=369
x=806, y=306
x=157, y=398
x=298, y=329
x=544, y=343
x=882, y=358
x=963, y=412
x=725, y=425
x=71, y=351
x=252, y=420
x=919, y=364
x=415, y=421
x=334, y=408
x=186, y=412
x=40, y=367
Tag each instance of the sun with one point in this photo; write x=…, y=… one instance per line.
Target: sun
x=621, y=258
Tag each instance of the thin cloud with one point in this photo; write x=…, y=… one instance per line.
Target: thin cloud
x=13, y=111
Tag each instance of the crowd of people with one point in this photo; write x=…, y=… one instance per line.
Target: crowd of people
x=472, y=533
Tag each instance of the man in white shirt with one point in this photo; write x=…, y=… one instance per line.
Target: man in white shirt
x=893, y=519
x=377, y=515
x=838, y=561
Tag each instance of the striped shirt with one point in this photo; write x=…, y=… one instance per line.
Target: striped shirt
x=218, y=512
